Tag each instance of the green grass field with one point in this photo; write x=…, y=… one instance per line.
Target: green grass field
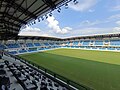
x=97, y=69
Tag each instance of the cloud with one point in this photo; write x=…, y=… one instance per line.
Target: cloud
x=117, y=28
x=89, y=28
x=114, y=17
x=29, y=31
x=54, y=25
x=53, y=29
x=89, y=23
x=91, y=10
x=118, y=22
x=116, y=8
x=92, y=31
x=83, y=5
x=116, y=5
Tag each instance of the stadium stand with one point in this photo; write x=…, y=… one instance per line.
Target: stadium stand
x=98, y=42
x=31, y=46
x=19, y=74
x=12, y=45
x=13, y=52
x=22, y=72
x=115, y=42
x=94, y=42
x=86, y=43
x=37, y=44
x=30, y=76
x=27, y=77
x=46, y=44
x=22, y=51
x=2, y=47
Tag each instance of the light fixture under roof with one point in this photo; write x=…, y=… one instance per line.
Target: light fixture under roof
x=59, y=9
x=42, y=17
x=38, y=19
x=66, y=6
x=75, y=2
x=50, y=14
x=46, y=16
x=65, y=3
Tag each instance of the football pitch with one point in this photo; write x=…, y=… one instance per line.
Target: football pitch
x=97, y=69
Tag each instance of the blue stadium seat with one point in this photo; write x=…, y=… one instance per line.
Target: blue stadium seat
x=110, y=48
x=37, y=44
x=118, y=48
x=31, y=50
x=106, y=41
x=22, y=51
x=115, y=42
x=102, y=48
x=41, y=48
x=2, y=47
x=13, y=52
x=86, y=42
x=13, y=45
x=75, y=43
x=29, y=45
x=98, y=42
x=46, y=44
x=51, y=43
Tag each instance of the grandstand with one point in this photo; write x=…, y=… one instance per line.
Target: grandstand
x=108, y=42
x=22, y=69
x=15, y=72
x=24, y=45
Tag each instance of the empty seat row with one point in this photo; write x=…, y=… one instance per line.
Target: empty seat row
x=4, y=79
x=31, y=79
x=13, y=45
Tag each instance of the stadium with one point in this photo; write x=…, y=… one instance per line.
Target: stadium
x=89, y=62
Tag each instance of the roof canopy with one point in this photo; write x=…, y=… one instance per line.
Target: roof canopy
x=104, y=36
x=16, y=13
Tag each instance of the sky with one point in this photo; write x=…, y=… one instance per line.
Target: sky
x=88, y=17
